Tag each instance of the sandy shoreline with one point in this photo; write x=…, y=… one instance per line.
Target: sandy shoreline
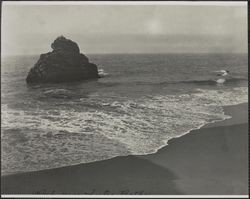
x=211, y=160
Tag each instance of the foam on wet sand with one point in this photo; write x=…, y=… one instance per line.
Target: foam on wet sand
x=212, y=160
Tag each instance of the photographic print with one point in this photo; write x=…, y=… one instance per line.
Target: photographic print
x=122, y=98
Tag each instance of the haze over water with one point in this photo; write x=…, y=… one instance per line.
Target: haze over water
x=30, y=28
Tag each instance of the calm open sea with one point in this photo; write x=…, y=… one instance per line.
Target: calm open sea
x=141, y=102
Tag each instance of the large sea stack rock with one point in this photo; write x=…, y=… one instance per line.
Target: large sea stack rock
x=64, y=64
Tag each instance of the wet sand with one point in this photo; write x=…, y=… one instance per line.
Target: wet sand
x=212, y=160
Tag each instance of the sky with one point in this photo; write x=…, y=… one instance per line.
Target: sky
x=30, y=29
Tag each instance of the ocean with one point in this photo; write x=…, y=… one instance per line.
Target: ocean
x=141, y=102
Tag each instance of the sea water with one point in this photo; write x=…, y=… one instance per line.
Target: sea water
x=141, y=101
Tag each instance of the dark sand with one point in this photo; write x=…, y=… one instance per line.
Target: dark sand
x=212, y=160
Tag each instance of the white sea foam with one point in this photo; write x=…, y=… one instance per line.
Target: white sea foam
x=64, y=137
x=102, y=73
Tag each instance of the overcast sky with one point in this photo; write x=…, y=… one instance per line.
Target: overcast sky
x=30, y=29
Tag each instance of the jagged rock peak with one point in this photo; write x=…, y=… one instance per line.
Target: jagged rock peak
x=63, y=44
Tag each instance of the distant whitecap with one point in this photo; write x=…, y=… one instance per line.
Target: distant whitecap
x=102, y=73
x=222, y=72
x=220, y=81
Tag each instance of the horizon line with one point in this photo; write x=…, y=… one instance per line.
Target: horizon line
x=167, y=53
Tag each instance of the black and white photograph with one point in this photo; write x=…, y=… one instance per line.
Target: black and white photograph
x=124, y=98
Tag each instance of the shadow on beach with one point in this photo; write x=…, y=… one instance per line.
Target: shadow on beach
x=120, y=175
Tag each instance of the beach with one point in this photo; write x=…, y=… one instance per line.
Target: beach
x=135, y=98
x=212, y=160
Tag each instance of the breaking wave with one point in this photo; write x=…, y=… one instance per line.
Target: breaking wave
x=108, y=128
x=200, y=82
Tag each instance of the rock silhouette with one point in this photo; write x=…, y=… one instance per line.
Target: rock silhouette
x=64, y=64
